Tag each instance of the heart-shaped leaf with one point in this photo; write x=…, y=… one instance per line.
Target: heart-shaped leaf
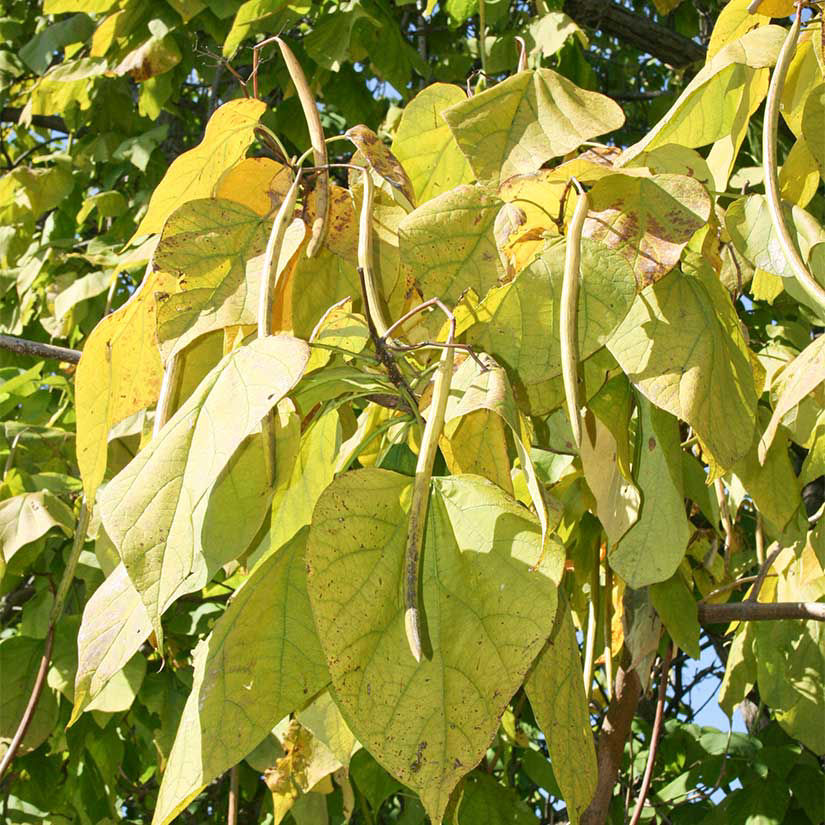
x=487, y=615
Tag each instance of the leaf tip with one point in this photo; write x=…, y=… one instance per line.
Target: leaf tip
x=411, y=625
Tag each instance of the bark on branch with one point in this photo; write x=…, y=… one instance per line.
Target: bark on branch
x=23, y=346
x=636, y=30
x=614, y=733
x=53, y=122
x=760, y=612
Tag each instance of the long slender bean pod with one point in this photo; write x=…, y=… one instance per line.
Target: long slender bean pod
x=812, y=289
x=568, y=314
x=269, y=282
x=421, y=491
x=365, y=257
x=319, y=147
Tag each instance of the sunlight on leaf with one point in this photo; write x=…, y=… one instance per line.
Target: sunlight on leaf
x=192, y=175
x=487, y=616
x=249, y=673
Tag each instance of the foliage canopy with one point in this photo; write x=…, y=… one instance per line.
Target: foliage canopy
x=451, y=381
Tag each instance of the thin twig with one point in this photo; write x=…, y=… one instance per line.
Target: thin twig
x=31, y=706
x=654, y=738
x=725, y=588
x=22, y=346
x=763, y=572
x=54, y=617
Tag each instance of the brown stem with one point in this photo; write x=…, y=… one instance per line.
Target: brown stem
x=23, y=346
x=615, y=730
x=759, y=612
x=654, y=738
x=31, y=707
x=54, y=617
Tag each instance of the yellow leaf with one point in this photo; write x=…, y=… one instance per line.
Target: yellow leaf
x=517, y=125
x=258, y=183
x=777, y=8
x=804, y=75
x=425, y=145
x=194, y=174
x=556, y=693
x=799, y=175
x=734, y=20
x=475, y=443
x=88, y=6
x=119, y=373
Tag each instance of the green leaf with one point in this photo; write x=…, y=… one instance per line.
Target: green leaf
x=740, y=669
x=155, y=509
x=518, y=323
x=323, y=719
x=425, y=145
x=790, y=666
x=114, y=626
x=677, y=609
x=772, y=484
x=798, y=379
x=329, y=42
x=485, y=800
x=648, y=220
x=193, y=175
x=251, y=16
x=371, y=779
x=447, y=244
x=524, y=121
x=707, y=108
x=429, y=723
x=249, y=673
x=207, y=244
x=19, y=663
x=749, y=223
x=617, y=498
x=300, y=481
x=555, y=689
x=654, y=546
x=473, y=391
x=27, y=517
x=38, y=53
x=682, y=347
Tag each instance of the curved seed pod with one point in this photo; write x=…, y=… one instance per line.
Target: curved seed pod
x=421, y=491
x=319, y=147
x=365, y=257
x=812, y=289
x=269, y=281
x=568, y=314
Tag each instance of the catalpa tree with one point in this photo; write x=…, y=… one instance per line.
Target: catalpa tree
x=399, y=467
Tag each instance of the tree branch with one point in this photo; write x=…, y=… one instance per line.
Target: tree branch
x=636, y=30
x=31, y=706
x=23, y=346
x=654, y=738
x=615, y=730
x=57, y=124
x=760, y=612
